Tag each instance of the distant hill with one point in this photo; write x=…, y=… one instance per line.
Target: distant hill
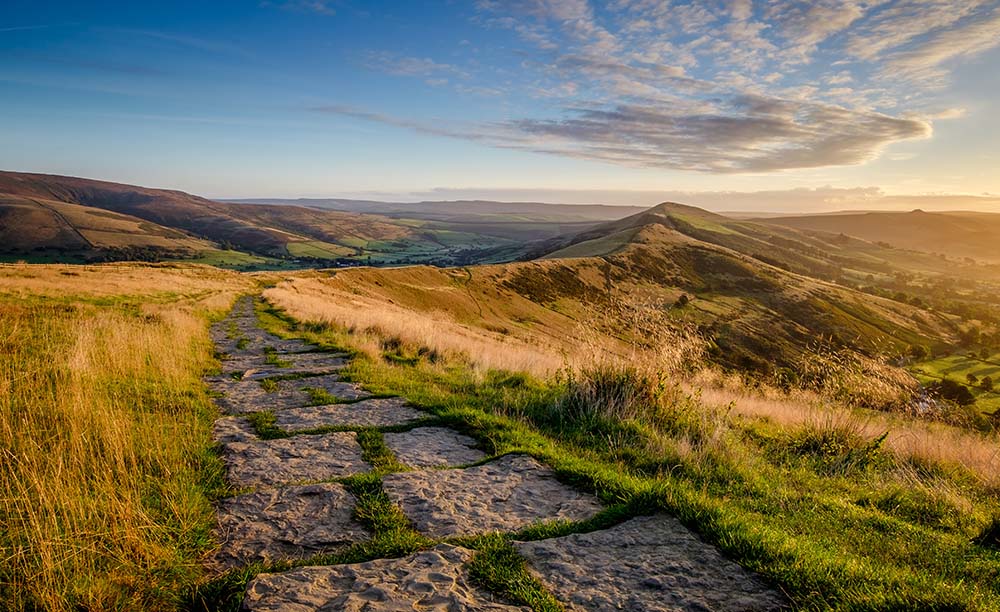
x=466, y=210
x=518, y=221
x=959, y=234
x=45, y=214
x=35, y=225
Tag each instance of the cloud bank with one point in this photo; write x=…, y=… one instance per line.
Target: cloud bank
x=740, y=86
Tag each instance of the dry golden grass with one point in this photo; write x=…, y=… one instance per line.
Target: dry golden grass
x=909, y=439
x=104, y=432
x=374, y=319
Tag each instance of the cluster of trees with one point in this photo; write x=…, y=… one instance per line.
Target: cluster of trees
x=985, y=383
x=953, y=391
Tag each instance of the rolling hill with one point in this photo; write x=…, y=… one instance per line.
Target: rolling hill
x=44, y=213
x=166, y=223
x=37, y=225
x=958, y=234
x=761, y=313
x=507, y=222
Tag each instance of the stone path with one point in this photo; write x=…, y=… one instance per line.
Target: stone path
x=368, y=413
x=429, y=580
x=267, y=525
x=504, y=495
x=293, y=504
x=646, y=563
x=429, y=447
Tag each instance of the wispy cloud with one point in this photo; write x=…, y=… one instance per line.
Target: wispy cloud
x=320, y=7
x=25, y=28
x=927, y=61
x=211, y=46
x=401, y=65
x=722, y=87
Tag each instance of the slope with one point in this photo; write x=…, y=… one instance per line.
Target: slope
x=959, y=234
x=38, y=226
x=294, y=232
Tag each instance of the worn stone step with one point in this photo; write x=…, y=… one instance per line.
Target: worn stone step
x=503, y=495
x=376, y=412
x=427, y=447
x=649, y=563
x=229, y=430
x=429, y=580
x=255, y=366
x=246, y=396
x=293, y=460
x=286, y=523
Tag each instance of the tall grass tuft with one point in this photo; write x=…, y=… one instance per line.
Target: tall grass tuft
x=104, y=452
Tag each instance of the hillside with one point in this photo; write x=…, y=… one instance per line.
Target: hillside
x=958, y=234
x=35, y=225
x=511, y=221
x=264, y=230
x=441, y=233
x=466, y=211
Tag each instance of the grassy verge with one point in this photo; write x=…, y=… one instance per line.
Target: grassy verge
x=822, y=510
x=106, y=470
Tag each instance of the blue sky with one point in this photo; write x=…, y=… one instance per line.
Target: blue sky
x=564, y=100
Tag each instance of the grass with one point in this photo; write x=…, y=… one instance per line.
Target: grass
x=321, y=397
x=272, y=357
x=957, y=368
x=497, y=567
x=105, y=431
x=829, y=509
x=376, y=453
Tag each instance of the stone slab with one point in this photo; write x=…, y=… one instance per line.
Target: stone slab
x=427, y=447
x=286, y=523
x=503, y=495
x=376, y=412
x=297, y=364
x=293, y=460
x=246, y=396
x=229, y=430
x=429, y=580
x=650, y=563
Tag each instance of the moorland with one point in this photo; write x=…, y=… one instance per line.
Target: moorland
x=807, y=394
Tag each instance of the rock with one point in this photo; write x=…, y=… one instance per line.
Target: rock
x=291, y=522
x=228, y=430
x=238, y=334
x=649, y=563
x=428, y=580
x=504, y=495
x=424, y=447
x=293, y=460
x=380, y=412
x=246, y=396
x=298, y=364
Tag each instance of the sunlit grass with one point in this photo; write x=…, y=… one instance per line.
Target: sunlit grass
x=105, y=436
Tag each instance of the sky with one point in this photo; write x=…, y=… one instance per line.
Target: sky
x=740, y=104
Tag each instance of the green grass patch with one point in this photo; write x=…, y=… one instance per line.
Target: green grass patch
x=320, y=397
x=263, y=424
x=272, y=357
x=497, y=567
x=376, y=453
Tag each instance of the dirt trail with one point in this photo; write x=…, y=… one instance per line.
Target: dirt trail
x=295, y=503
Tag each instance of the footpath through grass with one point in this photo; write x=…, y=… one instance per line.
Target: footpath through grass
x=822, y=512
